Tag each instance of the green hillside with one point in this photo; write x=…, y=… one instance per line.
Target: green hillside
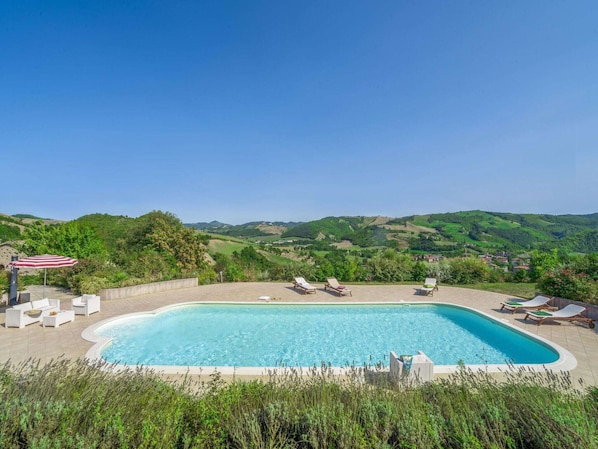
x=489, y=230
x=247, y=230
x=447, y=233
x=450, y=233
x=330, y=228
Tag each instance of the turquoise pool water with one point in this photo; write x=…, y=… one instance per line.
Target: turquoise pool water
x=269, y=335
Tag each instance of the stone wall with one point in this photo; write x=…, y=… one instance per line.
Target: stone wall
x=592, y=311
x=144, y=289
x=6, y=251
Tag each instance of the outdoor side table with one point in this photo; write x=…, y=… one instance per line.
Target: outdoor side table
x=61, y=317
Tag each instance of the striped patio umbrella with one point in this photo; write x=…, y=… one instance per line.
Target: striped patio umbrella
x=45, y=261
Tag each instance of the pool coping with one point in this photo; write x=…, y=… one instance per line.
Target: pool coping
x=565, y=362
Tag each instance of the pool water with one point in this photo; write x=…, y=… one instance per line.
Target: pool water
x=270, y=335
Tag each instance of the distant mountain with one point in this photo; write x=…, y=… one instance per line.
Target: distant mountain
x=252, y=229
x=27, y=216
x=208, y=227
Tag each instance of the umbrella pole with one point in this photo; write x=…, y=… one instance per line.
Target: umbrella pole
x=44, y=287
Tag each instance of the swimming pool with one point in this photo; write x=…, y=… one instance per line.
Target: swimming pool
x=341, y=335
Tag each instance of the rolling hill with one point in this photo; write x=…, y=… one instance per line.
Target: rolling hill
x=445, y=233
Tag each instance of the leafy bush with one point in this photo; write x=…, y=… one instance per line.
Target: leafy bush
x=419, y=272
x=90, y=284
x=565, y=282
x=587, y=264
x=389, y=266
x=207, y=276
x=4, y=282
x=441, y=271
x=467, y=271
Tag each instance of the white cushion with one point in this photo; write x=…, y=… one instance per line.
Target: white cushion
x=24, y=306
x=40, y=303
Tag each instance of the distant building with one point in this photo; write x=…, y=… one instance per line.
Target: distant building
x=487, y=258
x=504, y=260
x=517, y=268
x=427, y=257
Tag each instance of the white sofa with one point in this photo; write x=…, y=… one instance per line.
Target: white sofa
x=20, y=315
x=86, y=304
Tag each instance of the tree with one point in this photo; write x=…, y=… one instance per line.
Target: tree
x=468, y=270
x=182, y=245
x=541, y=262
x=70, y=239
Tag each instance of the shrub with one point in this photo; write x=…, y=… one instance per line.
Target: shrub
x=389, y=266
x=4, y=282
x=419, y=272
x=441, y=271
x=91, y=284
x=521, y=276
x=207, y=276
x=564, y=282
x=468, y=270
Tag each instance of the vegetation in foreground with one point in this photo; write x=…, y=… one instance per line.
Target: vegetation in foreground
x=73, y=405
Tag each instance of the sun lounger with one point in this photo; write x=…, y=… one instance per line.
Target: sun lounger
x=572, y=312
x=429, y=287
x=333, y=284
x=539, y=302
x=302, y=284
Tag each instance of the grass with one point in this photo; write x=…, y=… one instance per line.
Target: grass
x=74, y=405
x=526, y=290
x=225, y=246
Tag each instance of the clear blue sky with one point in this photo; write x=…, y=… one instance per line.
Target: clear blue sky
x=292, y=111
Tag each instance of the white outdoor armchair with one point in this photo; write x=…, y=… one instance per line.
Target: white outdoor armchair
x=86, y=304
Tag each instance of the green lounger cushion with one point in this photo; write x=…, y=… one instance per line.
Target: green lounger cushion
x=540, y=313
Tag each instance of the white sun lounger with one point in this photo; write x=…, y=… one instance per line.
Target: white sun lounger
x=429, y=287
x=539, y=302
x=571, y=312
x=302, y=284
x=333, y=284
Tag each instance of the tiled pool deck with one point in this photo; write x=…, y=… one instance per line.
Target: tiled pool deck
x=45, y=344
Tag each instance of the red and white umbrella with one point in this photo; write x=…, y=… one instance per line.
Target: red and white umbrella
x=45, y=261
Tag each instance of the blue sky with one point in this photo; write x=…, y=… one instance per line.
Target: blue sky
x=240, y=111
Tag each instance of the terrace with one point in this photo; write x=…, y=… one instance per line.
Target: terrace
x=45, y=344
